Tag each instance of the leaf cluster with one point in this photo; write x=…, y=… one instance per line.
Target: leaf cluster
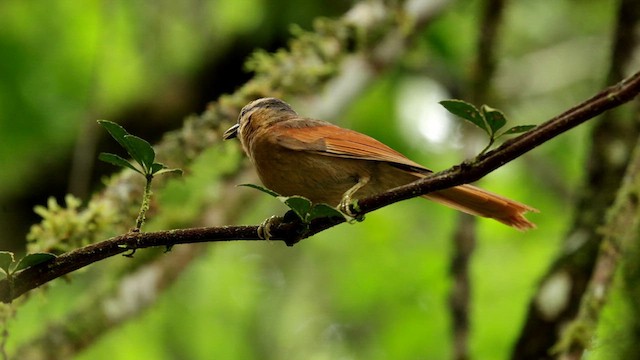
x=139, y=149
x=303, y=207
x=488, y=119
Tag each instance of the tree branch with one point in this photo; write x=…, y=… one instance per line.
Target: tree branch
x=607, y=99
x=289, y=232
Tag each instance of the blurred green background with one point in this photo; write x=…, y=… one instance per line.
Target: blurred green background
x=373, y=290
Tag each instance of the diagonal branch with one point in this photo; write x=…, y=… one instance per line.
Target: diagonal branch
x=609, y=98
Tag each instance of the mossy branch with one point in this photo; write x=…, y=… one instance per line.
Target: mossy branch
x=620, y=233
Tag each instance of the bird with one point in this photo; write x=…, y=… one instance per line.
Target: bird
x=325, y=163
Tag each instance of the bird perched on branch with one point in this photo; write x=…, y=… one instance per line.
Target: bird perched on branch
x=328, y=164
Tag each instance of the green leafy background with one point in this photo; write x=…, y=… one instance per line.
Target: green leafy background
x=373, y=290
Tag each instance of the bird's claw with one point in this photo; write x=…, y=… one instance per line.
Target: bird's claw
x=264, y=229
x=350, y=208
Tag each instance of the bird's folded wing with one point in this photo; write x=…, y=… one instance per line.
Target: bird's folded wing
x=331, y=140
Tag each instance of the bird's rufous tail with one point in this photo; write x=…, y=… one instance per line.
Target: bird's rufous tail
x=479, y=202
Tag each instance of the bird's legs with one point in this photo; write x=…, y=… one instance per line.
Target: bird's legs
x=346, y=202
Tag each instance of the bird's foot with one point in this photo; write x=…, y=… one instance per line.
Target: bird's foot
x=264, y=229
x=350, y=208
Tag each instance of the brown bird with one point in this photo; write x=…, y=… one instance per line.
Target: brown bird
x=329, y=164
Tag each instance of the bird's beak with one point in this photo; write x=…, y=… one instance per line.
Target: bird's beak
x=231, y=133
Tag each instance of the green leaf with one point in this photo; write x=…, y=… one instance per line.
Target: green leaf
x=155, y=167
x=169, y=171
x=324, y=210
x=495, y=118
x=141, y=151
x=6, y=259
x=466, y=111
x=158, y=169
x=300, y=205
x=117, y=161
x=263, y=189
x=116, y=131
x=33, y=259
x=518, y=129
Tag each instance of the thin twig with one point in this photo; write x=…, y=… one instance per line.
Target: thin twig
x=144, y=207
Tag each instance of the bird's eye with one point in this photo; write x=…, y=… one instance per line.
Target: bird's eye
x=243, y=113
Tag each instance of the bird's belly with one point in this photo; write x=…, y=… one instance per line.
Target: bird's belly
x=320, y=178
x=325, y=179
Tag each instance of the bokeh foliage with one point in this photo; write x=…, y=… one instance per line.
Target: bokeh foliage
x=374, y=290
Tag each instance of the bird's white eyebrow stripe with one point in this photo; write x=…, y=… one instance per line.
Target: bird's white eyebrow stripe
x=255, y=105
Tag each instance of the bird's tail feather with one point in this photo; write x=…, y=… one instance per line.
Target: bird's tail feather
x=479, y=202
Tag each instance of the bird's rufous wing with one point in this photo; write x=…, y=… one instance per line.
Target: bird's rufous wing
x=330, y=140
